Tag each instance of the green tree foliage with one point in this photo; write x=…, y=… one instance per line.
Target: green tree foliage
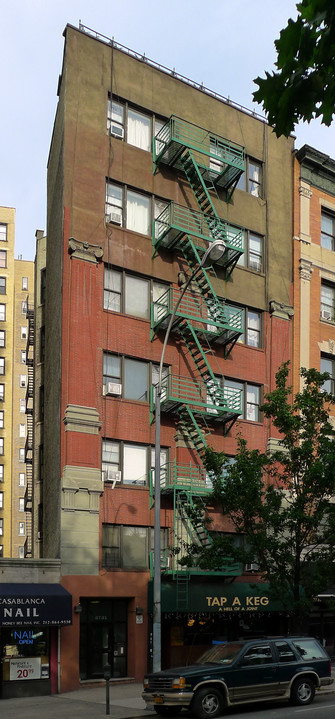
x=303, y=87
x=281, y=505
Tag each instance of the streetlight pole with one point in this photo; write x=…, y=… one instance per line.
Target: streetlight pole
x=212, y=254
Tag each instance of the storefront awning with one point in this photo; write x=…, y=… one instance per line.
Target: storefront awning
x=216, y=597
x=34, y=605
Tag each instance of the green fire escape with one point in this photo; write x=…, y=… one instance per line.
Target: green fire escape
x=211, y=164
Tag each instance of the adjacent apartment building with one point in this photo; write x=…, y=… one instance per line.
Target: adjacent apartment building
x=16, y=282
x=146, y=169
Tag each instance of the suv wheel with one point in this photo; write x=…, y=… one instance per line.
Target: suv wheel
x=303, y=691
x=207, y=703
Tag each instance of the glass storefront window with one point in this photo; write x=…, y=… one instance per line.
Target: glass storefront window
x=25, y=653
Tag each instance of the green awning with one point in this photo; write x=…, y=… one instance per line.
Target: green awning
x=218, y=597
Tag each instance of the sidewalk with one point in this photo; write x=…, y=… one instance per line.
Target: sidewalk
x=89, y=703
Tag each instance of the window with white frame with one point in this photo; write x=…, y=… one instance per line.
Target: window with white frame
x=21, y=454
x=24, y=307
x=131, y=209
x=126, y=377
x=24, y=333
x=130, y=294
x=134, y=126
x=2, y=418
x=23, y=380
x=22, y=404
x=327, y=364
x=22, y=528
x=251, y=180
x=21, y=552
x=24, y=283
x=21, y=504
x=128, y=462
x=2, y=312
x=3, y=258
x=22, y=430
x=253, y=256
x=2, y=285
x=2, y=365
x=1, y=500
x=2, y=445
x=2, y=392
x=2, y=338
x=252, y=334
x=2, y=472
x=22, y=479
x=327, y=302
x=327, y=230
x=251, y=394
x=23, y=356
x=1, y=527
x=1, y=550
x=3, y=232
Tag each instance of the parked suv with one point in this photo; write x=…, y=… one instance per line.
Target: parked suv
x=241, y=672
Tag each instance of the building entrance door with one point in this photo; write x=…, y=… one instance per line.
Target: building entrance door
x=103, y=637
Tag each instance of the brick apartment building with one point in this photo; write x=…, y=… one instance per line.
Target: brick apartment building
x=145, y=169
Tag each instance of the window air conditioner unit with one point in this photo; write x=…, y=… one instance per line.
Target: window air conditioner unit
x=165, y=562
x=253, y=567
x=326, y=314
x=115, y=217
x=111, y=475
x=116, y=131
x=113, y=389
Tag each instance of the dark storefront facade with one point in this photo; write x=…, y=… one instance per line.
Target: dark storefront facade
x=30, y=618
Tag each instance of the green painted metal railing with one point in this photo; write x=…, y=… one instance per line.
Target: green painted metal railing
x=217, y=152
x=176, y=220
x=175, y=476
x=177, y=391
x=194, y=307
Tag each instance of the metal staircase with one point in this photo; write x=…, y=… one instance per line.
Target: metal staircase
x=211, y=165
x=28, y=497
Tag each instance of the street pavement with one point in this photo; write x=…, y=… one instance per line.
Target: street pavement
x=88, y=703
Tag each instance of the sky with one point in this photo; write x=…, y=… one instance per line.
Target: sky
x=223, y=44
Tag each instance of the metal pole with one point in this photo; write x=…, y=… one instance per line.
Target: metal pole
x=157, y=593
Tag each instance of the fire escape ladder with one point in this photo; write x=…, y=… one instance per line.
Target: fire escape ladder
x=198, y=355
x=198, y=185
x=28, y=452
x=195, y=429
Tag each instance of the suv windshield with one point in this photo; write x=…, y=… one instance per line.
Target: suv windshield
x=221, y=653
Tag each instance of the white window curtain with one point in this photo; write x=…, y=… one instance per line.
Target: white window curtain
x=138, y=213
x=135, y=464
x=139, y=130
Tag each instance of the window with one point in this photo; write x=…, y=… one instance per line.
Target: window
x=21, y=455
x=1, y=550
x=2, y=338
x=252, y=327
x=327, y=230
x=250, y=399
x=128, y=462
x=129, y=294
x=41, y=463
x=2, y=445
x=2, y=285
x=1, y=527
x=127, y=208
x=131, y=374
x=135, y=126
x=251, y=180
x=21, y=528
x=43, y=286
x=22, y=479
x=24, y=307
x=23, y=380
x=21, y=553
x=129, y=547
x=2, y=414
x=327, y=364
x=23, y=356
x=1, y=500
x=2, y=365
x=22, y=430
x=285, y=652
x=2, y=473
x=3, y=232
x=21, y=504
x=41, y=403
x=327, y=302
x=2, y=392
x=24, y=283
x=24, y=333
x=3, y=258
x=42, y=344
x=253, y=256
x=257, y=655
x=2, y=312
